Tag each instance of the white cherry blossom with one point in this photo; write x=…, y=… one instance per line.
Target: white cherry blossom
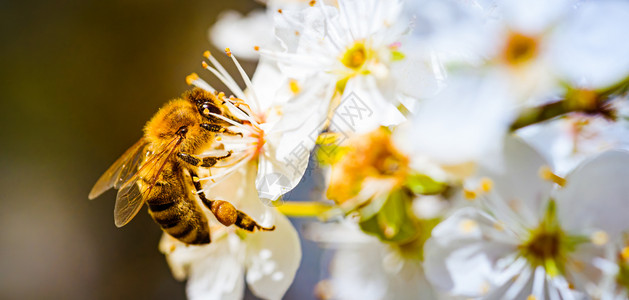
x=526, y=239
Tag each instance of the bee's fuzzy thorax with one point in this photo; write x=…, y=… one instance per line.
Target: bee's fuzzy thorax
x=163, y=127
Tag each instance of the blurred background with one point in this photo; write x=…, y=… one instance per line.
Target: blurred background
x=79, y=79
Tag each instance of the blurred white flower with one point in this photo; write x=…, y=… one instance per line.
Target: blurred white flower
x=526, y=239
x=614, y=284
x=363, y=267
x=570, y=140
x=464, y=124
x=266, y=260
x=540, y=46
x=243, y=33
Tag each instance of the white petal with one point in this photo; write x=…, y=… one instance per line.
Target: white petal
x=273, y=258
x=591, y=48
x=214, y=271
x=466, y=121
x=241, y=33
x=363, y=108
x=217, y=276
x=518, y=183
x=420, y=74
x=373, y=270
x=290, y=141
x=596, y=195
x=270, y=85
x=462, y=253
x=533, y=16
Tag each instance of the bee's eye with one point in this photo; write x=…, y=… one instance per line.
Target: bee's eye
x=209, y=107
x=182, y=130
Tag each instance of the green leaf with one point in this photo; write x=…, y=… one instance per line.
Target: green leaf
x=424, y=185
x=392, y=222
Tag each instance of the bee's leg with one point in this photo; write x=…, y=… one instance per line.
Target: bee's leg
x=227, y=214
x=218, y=129
x=205, y=162
x=247, y=223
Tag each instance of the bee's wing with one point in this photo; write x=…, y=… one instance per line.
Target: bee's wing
x=133, y=191
x=121, y=171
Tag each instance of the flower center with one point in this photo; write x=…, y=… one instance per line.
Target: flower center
x=370, y=156
x=355, y=57
x=548, y=245
x=519, y=49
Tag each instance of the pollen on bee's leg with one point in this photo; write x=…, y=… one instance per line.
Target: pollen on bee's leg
x=225, y=212
x=547, y=174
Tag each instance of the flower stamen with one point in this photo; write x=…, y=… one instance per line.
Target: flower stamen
x=547, y=174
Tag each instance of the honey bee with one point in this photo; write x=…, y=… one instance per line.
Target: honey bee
x=159, y=170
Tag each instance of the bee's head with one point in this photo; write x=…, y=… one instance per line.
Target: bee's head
x=204, y=101
x=177, y=118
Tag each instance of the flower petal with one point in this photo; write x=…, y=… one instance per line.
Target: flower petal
x=596, y=195
x=214, y=271
x=518, y=183
x=596, y=38
x=462, y=253
x=241, y=33
x=467, y=120
x=273, y=258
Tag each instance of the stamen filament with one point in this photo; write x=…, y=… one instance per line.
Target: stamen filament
x=193, y=79
x=245, y=77
x=546, y=174
x=230, y=121
x=224, y=72
x=229, y=83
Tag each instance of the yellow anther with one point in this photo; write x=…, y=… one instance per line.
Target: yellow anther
x=257, y=48
x=228, y=51
x=192, y=78
x=498, y=226
x=486, y=184
x=468, y=225
x=204, y=65
x=195, y=179
x=599, y=238
x=207, y=54
x=625, y=254
x=547, y=174
x=469, y=194
x=206, y=111
x=294, y=86
x=221, y=95
x=531, y=297
x=279, y=11
x=312, y=3
x=218, y=138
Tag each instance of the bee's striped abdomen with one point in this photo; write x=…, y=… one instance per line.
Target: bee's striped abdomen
x=173, y=208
